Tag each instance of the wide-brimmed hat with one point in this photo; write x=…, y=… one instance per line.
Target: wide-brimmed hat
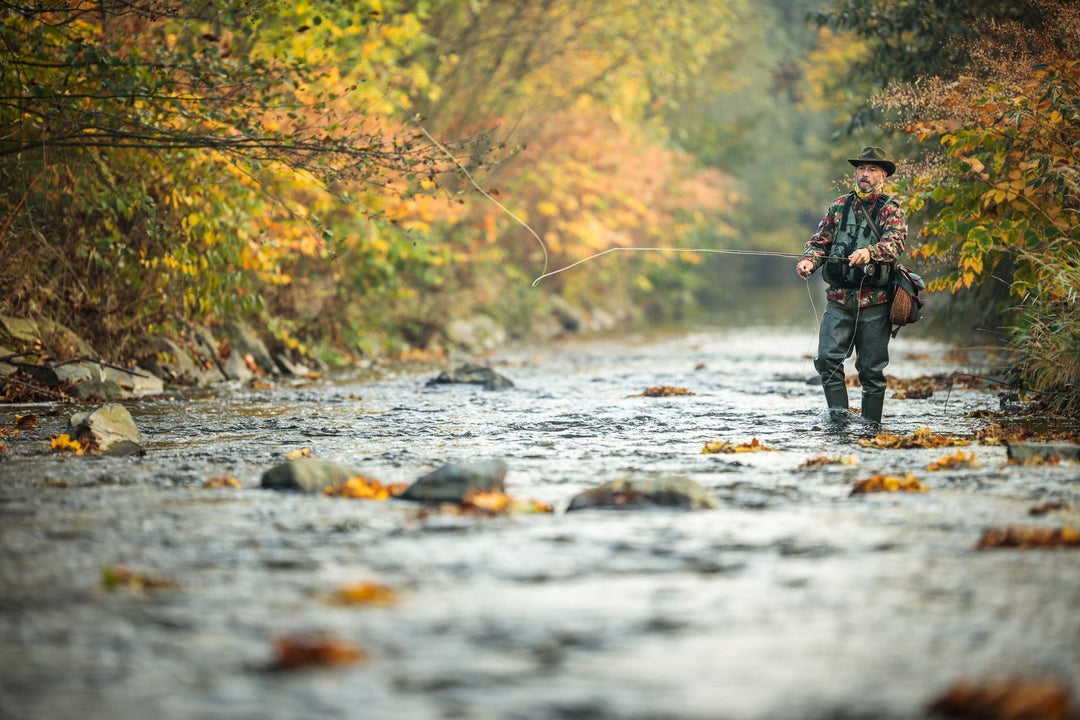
x=872, y=155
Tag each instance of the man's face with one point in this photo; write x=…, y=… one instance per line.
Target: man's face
x=868, y=176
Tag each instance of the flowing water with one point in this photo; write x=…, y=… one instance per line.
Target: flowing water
x=791, y=600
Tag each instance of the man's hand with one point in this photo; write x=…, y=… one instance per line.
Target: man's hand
x=859, y=257
x=805, y=268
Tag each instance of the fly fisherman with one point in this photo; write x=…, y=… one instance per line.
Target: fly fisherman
x=857, y=243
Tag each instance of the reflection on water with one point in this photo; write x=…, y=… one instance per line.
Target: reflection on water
x=791, y=600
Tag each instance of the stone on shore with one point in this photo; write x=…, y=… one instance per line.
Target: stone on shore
x=109, y=428
x=244, y=342
x=474, y=374
x=307, y=475
x=637, y=493
x=452, y=481
x=1027, y=451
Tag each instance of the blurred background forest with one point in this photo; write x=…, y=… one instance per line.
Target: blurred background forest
x=349, y=176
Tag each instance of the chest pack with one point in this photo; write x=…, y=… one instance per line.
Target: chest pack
x=851, y=235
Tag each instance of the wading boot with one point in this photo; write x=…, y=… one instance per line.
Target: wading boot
x=836, y=398
x=871, y=408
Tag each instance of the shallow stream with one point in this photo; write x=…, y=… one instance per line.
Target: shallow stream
x=791, y=600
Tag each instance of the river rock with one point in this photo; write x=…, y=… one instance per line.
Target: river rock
x=477, y=334
x=6, y=368
x=110, y=428
x=307, y=475
x=475, y=374
x=636, y=493
x=63, y=341
x=450, y=482
x=136, y=383
x=99, y=391
x=1023, y=451
x=20, y=329
x=244, y=341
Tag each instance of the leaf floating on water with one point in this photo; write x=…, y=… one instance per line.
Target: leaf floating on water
x=959, y=459
x=366, y=593
x=1017, y=536
x=222, y=482
x=914, y=393
x=921, y=438
x=481, y=502
x=1052, y=506
x=823, y=460
x=64, y=443
x=722, y=446
x=1012, y=699
x=297, y=454
x=295, y=652
x=1037, y=460
x=999, y=434
x=27, y=422
x=362, y=488
x=888, y=483
x=664, y=391
x=120, y=576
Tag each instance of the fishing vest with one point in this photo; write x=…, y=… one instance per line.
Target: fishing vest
x=852, y=234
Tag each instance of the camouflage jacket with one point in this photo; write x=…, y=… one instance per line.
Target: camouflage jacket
x=893, y=225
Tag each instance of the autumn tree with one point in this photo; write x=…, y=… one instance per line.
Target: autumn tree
x=152, y=148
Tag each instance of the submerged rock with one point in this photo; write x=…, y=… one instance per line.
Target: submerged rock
x=450, y=482
x=307, y=475
x=474, y=374
x=636, y=493
x=110, y=429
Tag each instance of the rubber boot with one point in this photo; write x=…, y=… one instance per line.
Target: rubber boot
x=871, y=408
x=836, y=398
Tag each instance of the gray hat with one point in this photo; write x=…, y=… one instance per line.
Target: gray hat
x=872, y=155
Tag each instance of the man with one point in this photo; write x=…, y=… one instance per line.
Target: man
x=857, y=243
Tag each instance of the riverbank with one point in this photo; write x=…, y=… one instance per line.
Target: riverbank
x=792, y=598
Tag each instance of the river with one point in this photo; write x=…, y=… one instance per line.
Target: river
x=793, y=599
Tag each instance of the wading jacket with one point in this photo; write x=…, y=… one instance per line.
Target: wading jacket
x=893, y=225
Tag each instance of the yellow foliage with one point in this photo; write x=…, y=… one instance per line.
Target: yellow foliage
x=958, y=459
x=921, y=438
x=822, y=460
x=366, y=593
x=362, y=488
x=722, y=446
x=888, y=483
x=64, y=443
x=222, y=482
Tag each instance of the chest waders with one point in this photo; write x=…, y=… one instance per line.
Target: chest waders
x=845, y=328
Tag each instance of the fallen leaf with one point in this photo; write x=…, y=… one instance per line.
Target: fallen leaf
x=1017, y=536
x=664, y=391
x=479, y=502
x=722, y=446
x=1037, y=460
x=27, y=422
x=366, y=593
x=295, y=651
x=64, y=443
x=1011, y=699
x=222, y=482
x=297, y=454
x=120, y=576
x=915, y=393
x=822, y=460
x=362, y=488
x=888, y=483
x=1052, y=506
x=921, y=438
x=958, y=459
